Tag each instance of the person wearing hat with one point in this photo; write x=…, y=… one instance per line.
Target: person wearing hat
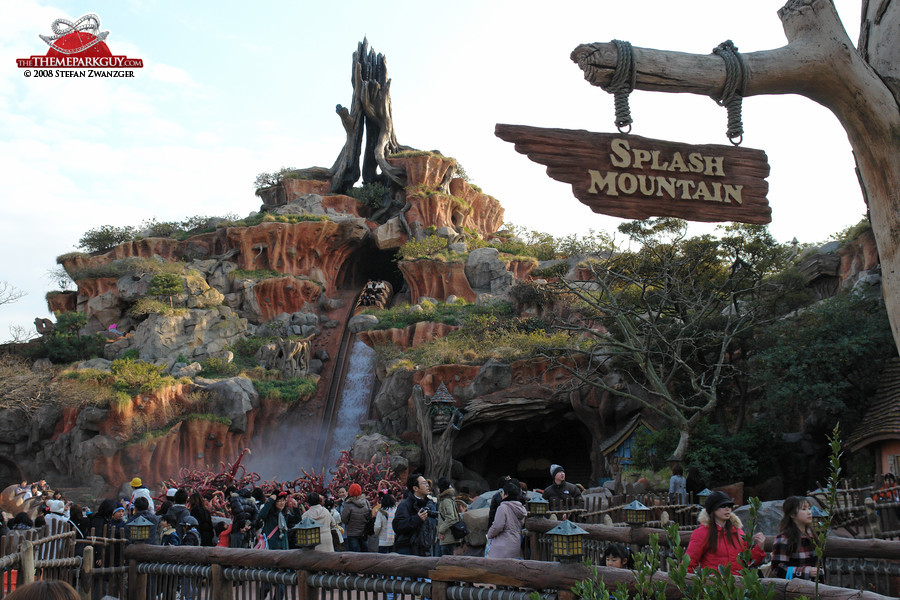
x=448, y=515
x=57, y=522
x=561, y=491
x=277, y=518
x=354, y=515
x=139, y=489
x=719, y=539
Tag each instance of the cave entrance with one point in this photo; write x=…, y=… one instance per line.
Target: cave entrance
x=368, y=262
x=526, y=449
x=10, y=473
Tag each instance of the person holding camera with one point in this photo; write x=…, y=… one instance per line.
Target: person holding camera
x=414, y=522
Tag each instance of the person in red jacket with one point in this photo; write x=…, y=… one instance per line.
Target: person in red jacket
x=719, y=539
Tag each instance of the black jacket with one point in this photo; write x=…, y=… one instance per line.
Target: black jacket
x=407, y=522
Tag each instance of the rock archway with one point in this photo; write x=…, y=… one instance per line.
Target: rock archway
x=10, y=473
x=526, y=449
x=368, y=262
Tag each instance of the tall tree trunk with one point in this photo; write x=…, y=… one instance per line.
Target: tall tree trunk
x=820, y=63
x=369, y=113
x=438, y=449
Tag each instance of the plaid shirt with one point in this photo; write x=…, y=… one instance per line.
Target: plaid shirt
x=802, y=559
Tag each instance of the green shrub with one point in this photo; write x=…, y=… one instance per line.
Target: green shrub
x=65, y=344
x=442, y=312
x=151, y=306
x=288, y=391
x=206, y=417
x=270, y=218
x=138, y=377
x=167, y=285
x=424, y=248
x=105, y=237
x=371, y=194
x=214, y=367
x=557, y=270
x=70, y=256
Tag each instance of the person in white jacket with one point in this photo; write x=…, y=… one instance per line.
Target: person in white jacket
x=384, y=523
x=323, y=517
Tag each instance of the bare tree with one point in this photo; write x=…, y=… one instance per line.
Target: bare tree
x=9, y=293
x=668, y=320
x=861, y=86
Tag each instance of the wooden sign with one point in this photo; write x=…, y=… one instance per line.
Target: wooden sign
x=634, y=177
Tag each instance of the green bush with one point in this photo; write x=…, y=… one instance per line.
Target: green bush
x=557, y=270
x=151, y=306
x=167, y=285
x=288, y=391
x=105, y=237
x=214, y=367
x=138, y=377
x=425, y=248
x=371, y=194
x=442, y=312
x=65, y=344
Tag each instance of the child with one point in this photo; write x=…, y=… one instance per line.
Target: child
x=169, y=533
x=793, y=553
x=618, y=557
x=191, y=534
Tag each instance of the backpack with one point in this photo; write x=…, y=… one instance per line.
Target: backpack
x=191, y=538
x=369, y=528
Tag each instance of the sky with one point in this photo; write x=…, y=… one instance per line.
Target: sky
x=230, y=90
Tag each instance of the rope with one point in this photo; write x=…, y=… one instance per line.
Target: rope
x=622, y=83
x=733, y=90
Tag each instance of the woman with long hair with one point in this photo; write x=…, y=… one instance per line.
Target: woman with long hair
x=384, y=522
x=46, y=589
x=505, y=533
x=719, y=539
x=793, y=553
x=200, y=510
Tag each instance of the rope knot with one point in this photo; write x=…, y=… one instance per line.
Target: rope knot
x=733, y=89
x=621, y=84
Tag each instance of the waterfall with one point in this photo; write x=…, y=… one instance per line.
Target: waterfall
x=354, y=401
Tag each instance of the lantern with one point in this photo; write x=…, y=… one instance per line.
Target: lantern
x=702, y=496
x=139, y=530
x=636, y=513
x=566, y=541
x=537, y=506
x=306, y=533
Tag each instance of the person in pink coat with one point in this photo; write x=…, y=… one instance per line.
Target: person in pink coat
x=719, y=539
x=506, y=531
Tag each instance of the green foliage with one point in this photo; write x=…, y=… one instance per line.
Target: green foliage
x=131, y=266
x=557, y=270
x=289, y=391
x=101, y=239
x=264, y=180
x=131, y=353
x=150, y=306
x=442, y=312
x=71, y=256
x=206, y=417
x=852, y=232
x=826, y=359
x=138, y=377
x=823, y=525
x=427, y=247
x=260, y=218
x=166, y=285
x=65, y=344
x=370, y=194
x=215, y=367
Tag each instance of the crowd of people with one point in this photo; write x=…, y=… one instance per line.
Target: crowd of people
x=427, y=521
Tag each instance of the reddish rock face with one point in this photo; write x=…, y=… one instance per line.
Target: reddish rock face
x=294, y=188
x=341, y=204
x=62, y=302
x=407, y=337
x=436, y=279
x=521, y=269
x=437, y=210
x=316, y=249
x=284, y=295
x=486, y=215
x=428, y=170
x=452, y=376
x=860, y=254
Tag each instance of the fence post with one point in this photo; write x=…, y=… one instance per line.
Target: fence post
x=219, y=585
x=872, y=517
x=137, y=582
x=535, y=548
x=438, y=590
x=304, y=590
x=86, y=579
x=26, y=558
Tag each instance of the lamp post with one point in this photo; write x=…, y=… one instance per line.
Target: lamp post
x=139, y=530
x=636, y=513
x=306, y=534
x=538, y=507
x=566, y=542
